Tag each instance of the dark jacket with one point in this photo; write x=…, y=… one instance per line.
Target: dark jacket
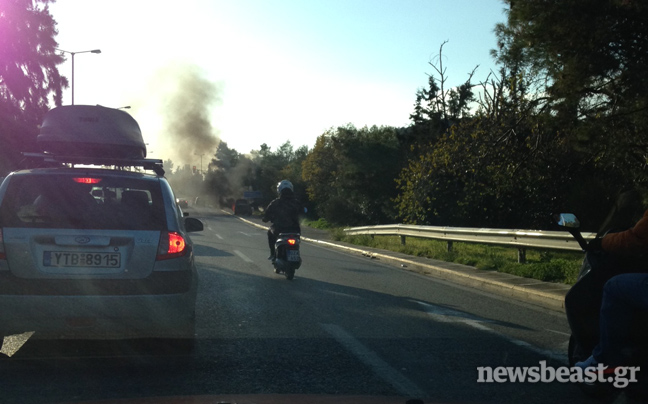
x=284, y=213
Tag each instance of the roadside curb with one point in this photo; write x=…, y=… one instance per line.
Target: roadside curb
x=544, y=294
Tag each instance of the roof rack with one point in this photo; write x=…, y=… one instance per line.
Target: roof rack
x=148, y=164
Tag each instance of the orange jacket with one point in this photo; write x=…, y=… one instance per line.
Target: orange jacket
x=633, y=241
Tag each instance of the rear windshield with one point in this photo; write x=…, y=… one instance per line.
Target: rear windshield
x=83, y=202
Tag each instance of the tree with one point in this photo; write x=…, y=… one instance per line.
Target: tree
x=563, y=124
x=350, y=174
x=185, y=183
x=591, y=60
x=225, y=158
x=168, y=167
x=229, y=175
x=507, y=166
x=437, y=107
x=274, y=166
x=28, y=74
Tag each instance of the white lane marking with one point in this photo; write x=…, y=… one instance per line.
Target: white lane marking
x=248, y=234
x=218, y=236
x=446, y=315
x=243, y=256
x=12, y=343
x=381, y=368
x=443, y=314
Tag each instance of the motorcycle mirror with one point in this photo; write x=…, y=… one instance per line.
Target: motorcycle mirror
x=567, y=220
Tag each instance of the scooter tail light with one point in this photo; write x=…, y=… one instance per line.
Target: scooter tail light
x=171, y=245
x=3, y=254
x=292, y=241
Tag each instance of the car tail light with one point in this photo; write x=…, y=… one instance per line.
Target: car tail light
x=87, y=180
x=292, y=241
x=3, y=255
x=172, y=245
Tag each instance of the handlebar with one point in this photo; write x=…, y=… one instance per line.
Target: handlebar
x=579, y=238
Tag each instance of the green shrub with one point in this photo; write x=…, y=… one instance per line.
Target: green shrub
x=548, y=266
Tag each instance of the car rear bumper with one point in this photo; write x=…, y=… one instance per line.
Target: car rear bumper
x=99, y=316
x=157, y=283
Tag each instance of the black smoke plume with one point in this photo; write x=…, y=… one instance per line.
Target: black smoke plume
x=187, y=110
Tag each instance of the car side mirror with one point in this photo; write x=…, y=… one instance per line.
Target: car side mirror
x=193, y=224
x=567, y=220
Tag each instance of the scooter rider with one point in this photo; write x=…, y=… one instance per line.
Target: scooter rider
x=284, y=213
x=624, y=295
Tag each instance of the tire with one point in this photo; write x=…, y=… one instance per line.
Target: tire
x=290, y=273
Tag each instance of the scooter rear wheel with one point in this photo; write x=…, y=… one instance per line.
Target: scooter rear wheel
x=290, y=273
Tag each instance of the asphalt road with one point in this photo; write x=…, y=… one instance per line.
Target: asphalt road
x=345, y=325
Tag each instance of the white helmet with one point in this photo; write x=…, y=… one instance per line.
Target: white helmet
x=284, y=184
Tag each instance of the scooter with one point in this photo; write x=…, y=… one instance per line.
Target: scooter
x=583, y=304
x=287, y=257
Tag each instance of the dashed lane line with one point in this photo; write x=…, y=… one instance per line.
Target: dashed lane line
x=243, y=256
x=381, y=368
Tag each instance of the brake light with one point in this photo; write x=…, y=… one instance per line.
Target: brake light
x=87, y=180
x=171, y=245
x=292, y=241
x=3, y=255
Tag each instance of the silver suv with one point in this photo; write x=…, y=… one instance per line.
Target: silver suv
x=95, y=253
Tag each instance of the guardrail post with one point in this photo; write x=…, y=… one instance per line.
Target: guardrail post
x=449, y=246
x=521, y=255
x=402, y=240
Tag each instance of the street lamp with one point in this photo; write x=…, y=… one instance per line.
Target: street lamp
x=74, y=53
x=201, y=155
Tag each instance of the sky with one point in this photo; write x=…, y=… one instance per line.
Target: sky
x=249, y=72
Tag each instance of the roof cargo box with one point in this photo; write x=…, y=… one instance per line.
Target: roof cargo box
x=91, y=131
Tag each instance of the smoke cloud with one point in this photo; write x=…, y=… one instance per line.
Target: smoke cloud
x=187, y=102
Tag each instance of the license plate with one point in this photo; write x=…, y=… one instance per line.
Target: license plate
x=292, y=255
x=72, y=259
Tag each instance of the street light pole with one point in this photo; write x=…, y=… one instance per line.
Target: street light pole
x=201, y=155
x=74, y=53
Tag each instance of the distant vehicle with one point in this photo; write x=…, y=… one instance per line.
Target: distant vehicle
x=242, y=207
x=94, y=252
x=182, y=202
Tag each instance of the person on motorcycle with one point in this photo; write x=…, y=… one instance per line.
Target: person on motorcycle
x=283, y=213
x=624, y=295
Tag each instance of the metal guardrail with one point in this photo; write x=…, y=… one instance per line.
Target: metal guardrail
x=520, y=239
